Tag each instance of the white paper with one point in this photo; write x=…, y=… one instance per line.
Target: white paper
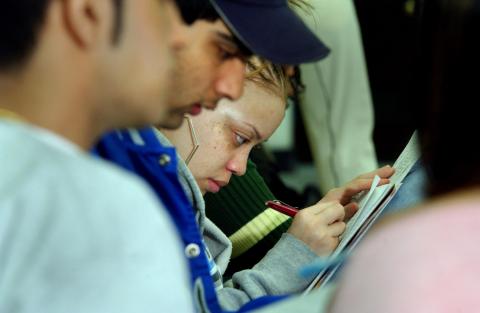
x=372, y=203
x=406, y=160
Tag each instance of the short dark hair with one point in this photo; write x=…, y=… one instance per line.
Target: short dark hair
x=20, y=23
x=192, y=10
x=448, y=92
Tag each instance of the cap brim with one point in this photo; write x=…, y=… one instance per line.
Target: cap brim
x=277, y=34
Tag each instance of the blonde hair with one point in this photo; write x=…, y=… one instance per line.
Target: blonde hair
x=269, y=76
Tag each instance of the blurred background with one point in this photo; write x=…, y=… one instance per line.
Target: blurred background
x=389, y=33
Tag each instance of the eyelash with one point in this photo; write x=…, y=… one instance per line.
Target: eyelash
x=242, y=138
x=225, y=54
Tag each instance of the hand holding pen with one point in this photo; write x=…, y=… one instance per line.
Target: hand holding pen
x=318, y=226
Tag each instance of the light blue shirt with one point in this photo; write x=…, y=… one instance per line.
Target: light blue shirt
x=78, y=235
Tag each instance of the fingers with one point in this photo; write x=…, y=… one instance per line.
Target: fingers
x=326, y=212
x=344, y=194
x=383, y=172
x=350, y=210
x=336, y=229
x=319, y=226
x=358, y=185
x=361, y=184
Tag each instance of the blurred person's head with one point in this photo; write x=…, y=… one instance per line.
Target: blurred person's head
x=210, y=67
x=222, y=34
x=101, y=61
x=450, y=68
x=227, y=135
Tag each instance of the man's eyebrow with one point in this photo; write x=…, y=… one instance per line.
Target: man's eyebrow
x=228, y=39
x=234, y=43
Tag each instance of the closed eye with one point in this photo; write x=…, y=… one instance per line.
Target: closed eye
x=225, y=54
x=226, y=45
x=240, y=140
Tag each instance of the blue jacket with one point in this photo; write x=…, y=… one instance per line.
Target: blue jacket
x=140, y=152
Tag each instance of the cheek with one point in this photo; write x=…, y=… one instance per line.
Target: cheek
x=147, y=58
x=217, y=146
x=197, y=81
x=211, y=156
x=222, y=139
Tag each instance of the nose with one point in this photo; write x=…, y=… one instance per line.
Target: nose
x=231, y=79
x=237, y=165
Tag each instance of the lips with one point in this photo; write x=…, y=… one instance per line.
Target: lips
x=214, y=186
x=196, y=109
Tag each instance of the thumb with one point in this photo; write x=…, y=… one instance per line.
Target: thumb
x=350, y=210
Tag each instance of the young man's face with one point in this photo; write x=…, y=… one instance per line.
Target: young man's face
x=141, y=64
x=210, y=67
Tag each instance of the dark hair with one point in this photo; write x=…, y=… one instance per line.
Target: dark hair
x=192, y=10
x=449, y=86
x=20, y=23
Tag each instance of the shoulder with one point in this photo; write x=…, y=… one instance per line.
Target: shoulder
x=90, y=224
x=407, y=264
x=45, y=169
x=436, y=225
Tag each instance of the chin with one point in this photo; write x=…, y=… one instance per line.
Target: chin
x=202, y=187
x=172, y=121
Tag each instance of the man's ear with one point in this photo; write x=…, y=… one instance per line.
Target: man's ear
x=88, y=21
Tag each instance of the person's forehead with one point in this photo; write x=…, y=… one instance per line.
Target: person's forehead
x=219, y=30
x=222, y=27
x=253, y=110
x=211, y=30
x=222, y=32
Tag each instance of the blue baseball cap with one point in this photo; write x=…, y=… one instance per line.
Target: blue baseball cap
x=270, y=29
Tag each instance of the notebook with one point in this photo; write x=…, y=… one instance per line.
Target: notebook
x=371, y=205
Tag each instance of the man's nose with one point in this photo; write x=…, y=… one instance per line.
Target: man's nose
x=231, y=79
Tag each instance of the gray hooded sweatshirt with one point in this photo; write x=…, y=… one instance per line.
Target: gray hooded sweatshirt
x=275, y=274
